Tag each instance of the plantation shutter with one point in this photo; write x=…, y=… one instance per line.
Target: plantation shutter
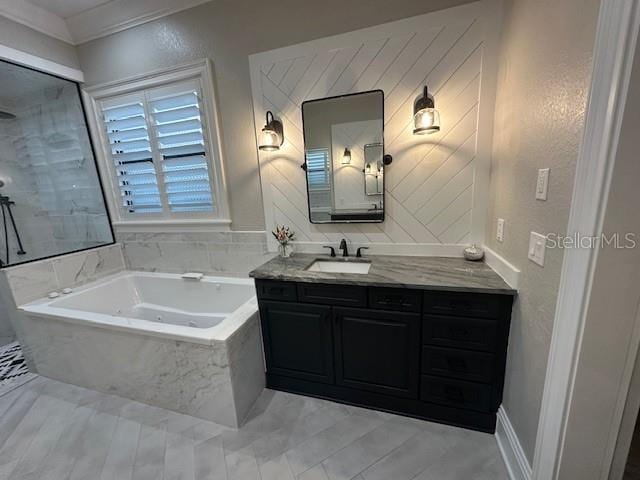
x=180, y=140
x=130, y=147
x=159, y=149
x=318, y=169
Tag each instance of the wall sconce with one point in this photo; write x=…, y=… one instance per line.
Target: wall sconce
x=272, y=135
x=346, y=157
x=426, y=119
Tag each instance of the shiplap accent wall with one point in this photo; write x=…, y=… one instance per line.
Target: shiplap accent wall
x=436, y=187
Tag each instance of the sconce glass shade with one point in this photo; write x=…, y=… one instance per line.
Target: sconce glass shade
x=346, y=157
x=269, y=141
x=426, y=119
x=272, y=135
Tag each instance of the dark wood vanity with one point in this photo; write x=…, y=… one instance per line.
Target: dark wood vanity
x=429, y=352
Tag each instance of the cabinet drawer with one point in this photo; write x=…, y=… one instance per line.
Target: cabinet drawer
x=455, y=393
x=465, y=304
x=274, y=290
x=342, y=295
x=395, y=299
x=460, y=332
x=462, y=364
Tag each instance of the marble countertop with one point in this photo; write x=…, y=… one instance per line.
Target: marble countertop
x=426, y=273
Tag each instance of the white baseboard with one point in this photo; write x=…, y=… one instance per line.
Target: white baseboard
x=508, y=272
x=510, y=448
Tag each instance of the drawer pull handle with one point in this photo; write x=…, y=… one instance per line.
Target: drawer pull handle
x=459, y=332
x=393, y=300
x=453, y=393
x=460, y=304
x=456, y=365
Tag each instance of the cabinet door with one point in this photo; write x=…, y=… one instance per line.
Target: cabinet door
x=298, y=340
x=377, y=351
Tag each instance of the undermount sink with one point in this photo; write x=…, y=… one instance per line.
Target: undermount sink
x=328, y=266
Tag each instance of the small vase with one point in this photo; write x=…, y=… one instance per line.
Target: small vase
x=285, y=250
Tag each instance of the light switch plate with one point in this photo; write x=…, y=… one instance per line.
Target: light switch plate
x=537, y=248
x=500, y=230
x=542, y=185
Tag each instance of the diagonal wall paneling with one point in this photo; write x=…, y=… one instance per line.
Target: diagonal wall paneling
x=430, y=185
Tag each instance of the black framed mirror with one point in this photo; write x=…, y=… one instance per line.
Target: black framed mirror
x=344, y=152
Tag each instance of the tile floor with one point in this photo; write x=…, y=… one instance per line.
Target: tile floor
x=54, y=431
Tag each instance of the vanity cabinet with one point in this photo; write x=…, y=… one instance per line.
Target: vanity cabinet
x=430, y=354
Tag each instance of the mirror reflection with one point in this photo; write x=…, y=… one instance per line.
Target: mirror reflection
x=344, y=152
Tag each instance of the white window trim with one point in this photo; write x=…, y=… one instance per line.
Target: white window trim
x=203, y=72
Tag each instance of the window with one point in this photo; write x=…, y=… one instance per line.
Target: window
x=319, y=179
x=318, y=169
x=161, y=148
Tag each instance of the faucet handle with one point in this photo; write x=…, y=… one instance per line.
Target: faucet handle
x=333, y=250
x=359, y=252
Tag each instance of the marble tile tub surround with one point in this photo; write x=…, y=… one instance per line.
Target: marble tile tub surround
x=218, y=382
x=34, y=280
x=433, y=273
x=221, y=253
x=24, y=283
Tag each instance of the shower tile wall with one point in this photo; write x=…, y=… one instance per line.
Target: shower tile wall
x=47, y=166
x=58, y=206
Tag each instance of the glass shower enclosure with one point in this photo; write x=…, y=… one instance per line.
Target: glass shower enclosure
x=51, y=199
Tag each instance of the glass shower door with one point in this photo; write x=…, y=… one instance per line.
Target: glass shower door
x=51, y=200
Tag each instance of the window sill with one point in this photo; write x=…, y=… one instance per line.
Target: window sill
x=192, y=225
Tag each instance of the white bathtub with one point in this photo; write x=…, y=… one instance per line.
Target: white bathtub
x=192, y=346
x=159, y=304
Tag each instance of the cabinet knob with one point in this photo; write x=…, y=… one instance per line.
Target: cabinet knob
x=453, y=393
x=459, y=332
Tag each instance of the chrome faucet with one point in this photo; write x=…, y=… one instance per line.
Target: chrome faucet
x=344, y=248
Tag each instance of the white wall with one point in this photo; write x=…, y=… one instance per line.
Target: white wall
x=227, y=31
x=434, y=192
x=610, y=338
x=20, y=37
x=543, y=81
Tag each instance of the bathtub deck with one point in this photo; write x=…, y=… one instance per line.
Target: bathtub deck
x=54, y=431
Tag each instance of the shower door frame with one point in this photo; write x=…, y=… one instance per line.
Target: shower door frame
x=19, y=63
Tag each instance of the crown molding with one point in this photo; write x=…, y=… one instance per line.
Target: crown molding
x=36, y=18
x=103, y=20
x=119, y=15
